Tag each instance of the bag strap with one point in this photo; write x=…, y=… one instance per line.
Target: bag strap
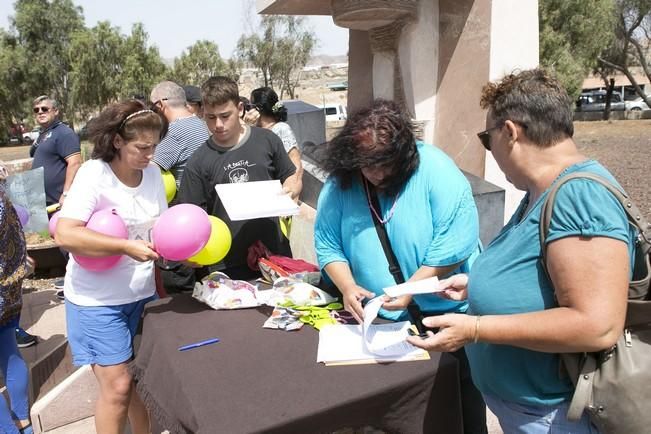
x=635, y=217
x=394, y=268
x=583, y=388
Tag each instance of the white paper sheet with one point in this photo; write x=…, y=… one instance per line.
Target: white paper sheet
x=250, y=200
x=378, y=342
x=344, y=343
x=425, y=286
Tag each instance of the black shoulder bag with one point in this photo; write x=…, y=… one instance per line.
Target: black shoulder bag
x=613, y=385
x=413, y=309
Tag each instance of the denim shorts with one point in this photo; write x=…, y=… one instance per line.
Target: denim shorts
x=103, y=335
x=536, y=419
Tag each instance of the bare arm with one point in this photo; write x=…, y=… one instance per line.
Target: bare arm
x=73, y=236
x=590, y=278
x=73, y=163
x=294, y=184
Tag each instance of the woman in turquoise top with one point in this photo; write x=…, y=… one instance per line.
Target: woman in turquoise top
x=519, y=320
x=426, y=207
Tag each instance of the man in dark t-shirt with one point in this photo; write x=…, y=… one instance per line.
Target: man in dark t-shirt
x=235, y=153
x=56, y=150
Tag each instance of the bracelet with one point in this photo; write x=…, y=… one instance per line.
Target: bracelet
x=476, y=337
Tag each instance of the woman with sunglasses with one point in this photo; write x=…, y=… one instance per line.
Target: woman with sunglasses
x=521, y=316
x=13, y=269
x=381, y=176
x=103, y=309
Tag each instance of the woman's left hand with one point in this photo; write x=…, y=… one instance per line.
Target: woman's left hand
x=456, y=330
x=396, y=303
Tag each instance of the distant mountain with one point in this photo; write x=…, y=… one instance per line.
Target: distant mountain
x=325, y=59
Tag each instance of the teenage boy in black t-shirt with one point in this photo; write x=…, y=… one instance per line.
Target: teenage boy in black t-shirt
x=235, y=153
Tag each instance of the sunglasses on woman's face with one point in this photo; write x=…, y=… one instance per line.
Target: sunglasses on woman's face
x=41, y=109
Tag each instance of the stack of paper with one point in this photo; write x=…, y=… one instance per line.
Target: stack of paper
x=252, y=200
x=368, y=343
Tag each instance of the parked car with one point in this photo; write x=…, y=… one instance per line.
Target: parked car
x=31, y=136
x=637, y=104
x=595, y=101
x=335, y=112
x=342, y=85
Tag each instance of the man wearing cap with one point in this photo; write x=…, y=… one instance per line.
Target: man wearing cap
x=193, y=98
x=186, y=131
x=56, y=150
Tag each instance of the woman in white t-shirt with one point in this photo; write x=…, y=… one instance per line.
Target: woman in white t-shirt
x=103, y=309
x=267, y=112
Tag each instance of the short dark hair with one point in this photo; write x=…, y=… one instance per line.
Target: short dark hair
x=535, y=99
x=378, y=135
x=265, y=100
x=126, y=119
x=220, y=90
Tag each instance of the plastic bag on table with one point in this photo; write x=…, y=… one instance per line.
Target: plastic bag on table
x=218, y=291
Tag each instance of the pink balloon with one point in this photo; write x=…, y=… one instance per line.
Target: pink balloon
x=23, y=214
x=106, y=222
x=181, y=231
x=52, y=224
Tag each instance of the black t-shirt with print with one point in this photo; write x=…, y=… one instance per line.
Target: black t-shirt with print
x=260, y=156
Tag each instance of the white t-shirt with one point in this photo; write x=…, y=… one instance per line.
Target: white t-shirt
x=96, y=187
x=284, y=131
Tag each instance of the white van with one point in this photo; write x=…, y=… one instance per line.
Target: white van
x=334, y=112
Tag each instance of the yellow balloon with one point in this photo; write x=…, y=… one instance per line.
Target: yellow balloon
x=217, y=246
x=170, y=185
x=285, y=225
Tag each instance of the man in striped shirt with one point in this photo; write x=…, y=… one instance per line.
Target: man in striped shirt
x=186, y=131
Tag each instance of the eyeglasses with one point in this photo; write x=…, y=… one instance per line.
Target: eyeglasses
x=159, y=101
x=41, y=109
x=485, y=137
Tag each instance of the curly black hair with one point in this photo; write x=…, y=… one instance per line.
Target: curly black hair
x=380, y=135
x=265, y=100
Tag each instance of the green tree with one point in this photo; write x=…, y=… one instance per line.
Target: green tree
x=14, y=107
x=280, y=50
x=97, y=69
x=142, y=65
x=200, y=62
x=631, y=46
x=572, y=35
x=44, y=29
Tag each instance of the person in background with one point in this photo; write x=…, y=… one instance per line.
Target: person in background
x=521, y=318
x=193, y=99
x=13, y=269
x=425, y=205
x=186, y=133
x=57, y=151
x=268, y=112
x=234, y=153
x=103, y=309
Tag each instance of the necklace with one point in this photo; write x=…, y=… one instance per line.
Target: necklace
x=370, y=205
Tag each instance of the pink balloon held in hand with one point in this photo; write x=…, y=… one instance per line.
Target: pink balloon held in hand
x=181, y=231
x=52, y=224
x=106, y=222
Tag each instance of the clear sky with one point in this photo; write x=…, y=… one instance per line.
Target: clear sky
x=174, y=25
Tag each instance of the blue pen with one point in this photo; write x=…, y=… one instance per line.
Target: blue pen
x=198, y=344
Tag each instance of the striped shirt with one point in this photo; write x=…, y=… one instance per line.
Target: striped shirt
x=185, y=135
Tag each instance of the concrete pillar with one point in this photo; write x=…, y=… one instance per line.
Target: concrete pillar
x=513, y=45
x=360, y=63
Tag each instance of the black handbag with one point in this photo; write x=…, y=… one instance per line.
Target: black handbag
x=415, y=314
x=614, y=385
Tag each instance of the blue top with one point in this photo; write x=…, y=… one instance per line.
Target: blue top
x=53, y=146
x=434, y=223
x=508, y=278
